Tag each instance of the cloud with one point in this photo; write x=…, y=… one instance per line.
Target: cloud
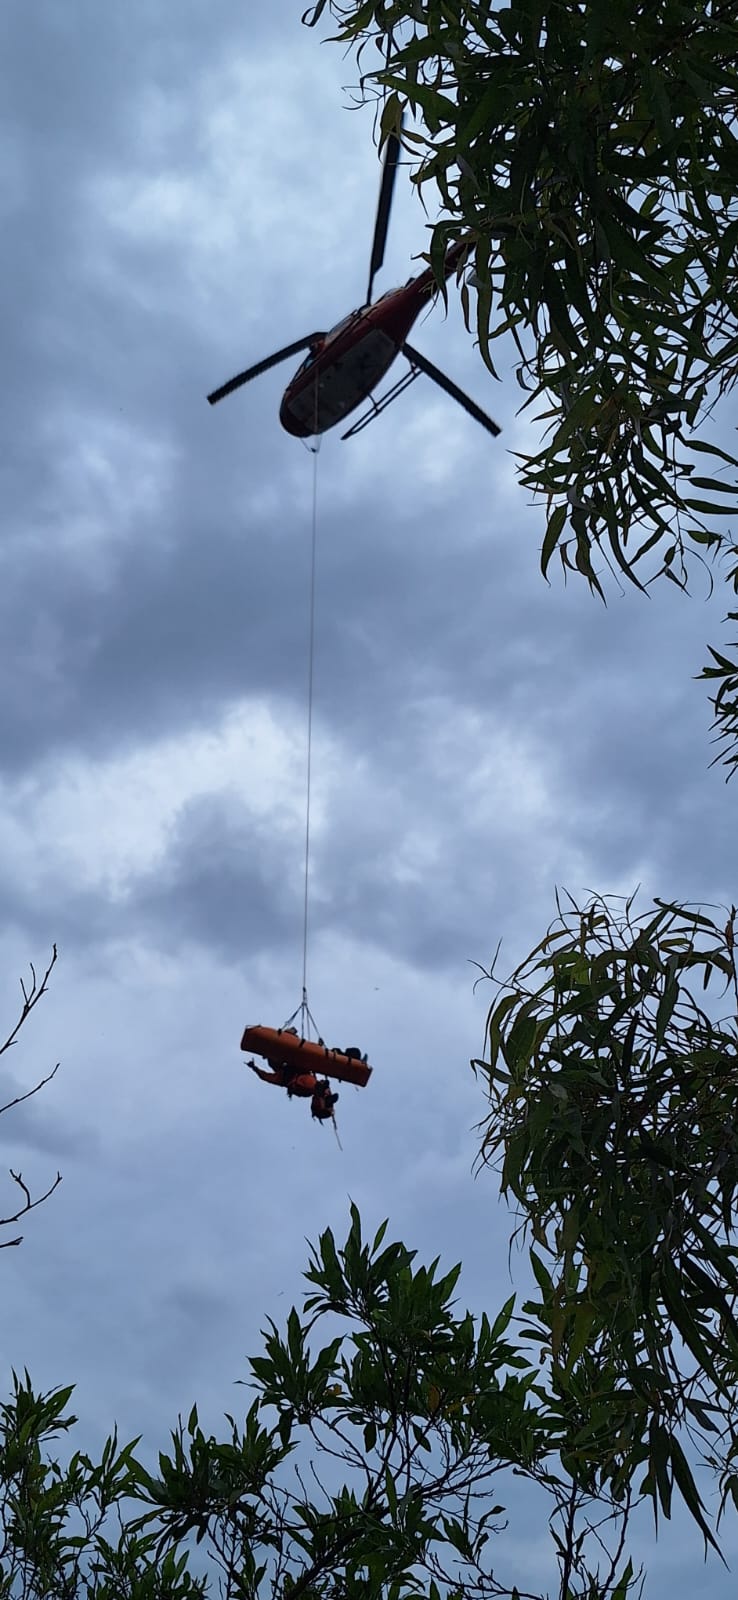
x=183, y=194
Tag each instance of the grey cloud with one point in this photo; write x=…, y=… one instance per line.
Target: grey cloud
x=39, y=1123
x=223, y=883
x=479, y=737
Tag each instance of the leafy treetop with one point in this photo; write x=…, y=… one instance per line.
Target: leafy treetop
x=589, y=155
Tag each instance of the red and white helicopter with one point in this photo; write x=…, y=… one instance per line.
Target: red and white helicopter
x=346, y=364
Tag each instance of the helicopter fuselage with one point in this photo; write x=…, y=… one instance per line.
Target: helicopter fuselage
x=353, y=357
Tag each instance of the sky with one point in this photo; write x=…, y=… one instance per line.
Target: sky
x=184, y=189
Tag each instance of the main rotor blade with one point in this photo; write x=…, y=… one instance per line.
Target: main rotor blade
x=263, y=366
x=389, y=173
x=445, y=383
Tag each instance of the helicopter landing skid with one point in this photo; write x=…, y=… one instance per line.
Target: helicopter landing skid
x=376, y=407
x=418, y=364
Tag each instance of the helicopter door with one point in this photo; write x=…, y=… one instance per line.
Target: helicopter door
x=343, y=384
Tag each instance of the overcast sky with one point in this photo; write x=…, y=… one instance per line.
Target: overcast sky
x=184, y=189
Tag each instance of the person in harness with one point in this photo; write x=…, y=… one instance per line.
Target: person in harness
x=322, y=1101
x=301, y=1084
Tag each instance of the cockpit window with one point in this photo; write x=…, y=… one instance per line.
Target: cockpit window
x=346, y=323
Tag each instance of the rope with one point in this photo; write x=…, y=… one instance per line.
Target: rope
x=311, y=661
x=307, y=1020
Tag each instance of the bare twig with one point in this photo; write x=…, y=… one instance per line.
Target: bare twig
x=28, y=1205
x=18, y=1101
x=31, y=995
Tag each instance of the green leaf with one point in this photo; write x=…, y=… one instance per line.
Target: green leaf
x=688, y=1490
x=553, y=533
x=502, y=1320
x=623, y=1583
x=436, y=107
x=543, y=1277
x=660, y=1452
x=710, y=506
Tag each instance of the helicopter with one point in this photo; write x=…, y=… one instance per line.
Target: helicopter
x=345, y=364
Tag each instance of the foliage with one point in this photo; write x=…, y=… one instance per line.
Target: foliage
x=62, y=1526
x=31, y=993
x=613, y=1094
x=589, y=155
x=723, y=673
x=419, y=1409
x=367, y=1465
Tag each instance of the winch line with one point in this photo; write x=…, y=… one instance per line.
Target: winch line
x=311, y=675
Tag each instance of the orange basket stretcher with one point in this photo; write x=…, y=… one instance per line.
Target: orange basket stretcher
x=281, y=1045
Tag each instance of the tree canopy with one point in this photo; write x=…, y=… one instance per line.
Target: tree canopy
x=588, y=154
x=374, y=1460
x=613, y=1084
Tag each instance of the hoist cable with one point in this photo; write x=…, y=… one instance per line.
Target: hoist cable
x=311, y=663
